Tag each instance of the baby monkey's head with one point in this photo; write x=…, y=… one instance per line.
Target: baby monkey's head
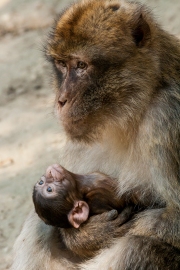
x=58, y=201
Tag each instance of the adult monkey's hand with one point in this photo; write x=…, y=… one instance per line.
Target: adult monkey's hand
x=98, y=232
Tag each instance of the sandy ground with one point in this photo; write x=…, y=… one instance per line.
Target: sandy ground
x=30, y=138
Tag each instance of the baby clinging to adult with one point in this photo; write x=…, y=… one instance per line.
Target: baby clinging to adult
x=64, y=199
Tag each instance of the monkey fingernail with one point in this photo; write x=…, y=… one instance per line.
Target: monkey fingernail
x=112, y=214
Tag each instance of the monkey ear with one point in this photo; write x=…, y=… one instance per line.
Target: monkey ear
x=78, y=214
x=140, y=31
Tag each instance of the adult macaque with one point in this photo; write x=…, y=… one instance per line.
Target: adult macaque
x=117, y=80
x=64, y=199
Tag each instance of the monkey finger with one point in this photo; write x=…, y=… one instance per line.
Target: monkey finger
x=52, y=172
x=124, y=216
x=48, y=172
x=58, y=168
x=58, y=171
x=112, y=215
x=104, y=217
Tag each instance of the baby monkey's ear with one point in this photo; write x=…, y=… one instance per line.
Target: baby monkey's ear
x=78, y=214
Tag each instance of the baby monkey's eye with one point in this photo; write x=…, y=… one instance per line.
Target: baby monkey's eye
x=49, y=189
x=41, y=182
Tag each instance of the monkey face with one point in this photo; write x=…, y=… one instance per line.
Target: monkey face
x=74, y=103
x=49, y=187
x=54, y=196
x=98, y=71
x=79, y=102
x=51, y=202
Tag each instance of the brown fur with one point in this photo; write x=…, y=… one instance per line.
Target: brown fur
x=97, y=189
x=121, y=115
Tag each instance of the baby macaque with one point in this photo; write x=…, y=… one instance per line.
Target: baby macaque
x=65, y=199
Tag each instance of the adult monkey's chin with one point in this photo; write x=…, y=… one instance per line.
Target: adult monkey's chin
x=87, y=129
x=78, y=125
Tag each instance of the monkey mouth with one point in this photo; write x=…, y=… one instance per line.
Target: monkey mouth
x=79, y=124
x=69, y=118
x=82, y=129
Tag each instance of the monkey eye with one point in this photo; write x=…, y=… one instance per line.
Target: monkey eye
x=60, y=63
x=81, y=65
x=41, y=182
x=49, y=189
